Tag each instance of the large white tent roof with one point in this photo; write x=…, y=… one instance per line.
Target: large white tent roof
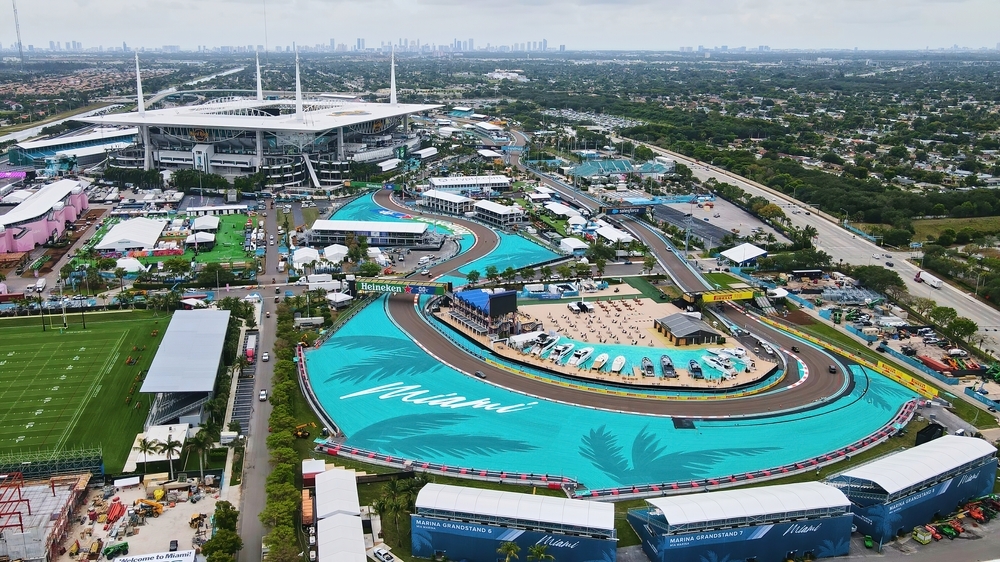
x=305, y=255
x=513, y=505
x=370, y=226
x=341, y=538
x=130, y=265
x=206, y=222
x=335, y=252
x=139, y=232
x=200, y=238
x=692, y=509
x=337, y=493
x=913, y=466
x=190, y=352
x=743, y=253
x=613, y=234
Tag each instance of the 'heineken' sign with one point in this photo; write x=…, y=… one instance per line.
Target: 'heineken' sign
x=397, y=287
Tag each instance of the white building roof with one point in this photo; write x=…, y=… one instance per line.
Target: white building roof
x=389, y=164
x=539, y=196
x=313, y=466
x=446, y=196
x=41, y=202
x=488, y=127
x=486, y=153
x=613, y=234
x=100, y=133
x=200, y=238
x=207, y=222
x=461, y=108
x=93, y=150
x=706, y=507
x=468, y=180
x=305, y=255
x=340, y=539
x=494, y=207
x=190, y=352
x=371, y=226
x=576, y=221
x=337, y=493
x=215, y=209
x=139, y=232
x=337, y=298
x=545, y=190
x=426, y=152
x=526, y=507
x=130, y=265
x=320, y=115
x=573, y=244
x=562, y=210
x=743, y=253
x=913, y=466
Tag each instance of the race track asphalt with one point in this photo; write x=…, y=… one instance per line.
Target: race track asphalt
x=817, y=389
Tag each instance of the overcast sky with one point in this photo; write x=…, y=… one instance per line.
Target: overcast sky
x=583, y=24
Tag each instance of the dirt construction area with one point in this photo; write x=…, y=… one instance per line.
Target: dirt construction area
x=145, y=534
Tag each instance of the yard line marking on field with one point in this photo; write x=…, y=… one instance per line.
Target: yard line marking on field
x=90, y=393
x=23, y=380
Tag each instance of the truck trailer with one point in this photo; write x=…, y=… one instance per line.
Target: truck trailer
x=924, y=277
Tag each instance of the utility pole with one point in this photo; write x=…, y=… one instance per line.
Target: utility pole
x=17, y=26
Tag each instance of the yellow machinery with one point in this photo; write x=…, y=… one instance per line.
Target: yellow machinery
x=156, y=507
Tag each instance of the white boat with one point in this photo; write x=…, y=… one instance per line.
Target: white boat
x=715, y=350
x=718, y=366
x=560, y=352
x=618, y=364
x=739, y=352
x=544, y=343
x=580, y=356
x=599, y=361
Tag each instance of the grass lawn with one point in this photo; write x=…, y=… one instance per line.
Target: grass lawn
x=651, y=291
x=73, y=389
x=961, y=408
x=933, y=227
x=724, y=280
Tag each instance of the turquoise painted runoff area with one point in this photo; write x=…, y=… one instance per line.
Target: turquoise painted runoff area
x=388, y=395
x=512, y=251
x=365, y=208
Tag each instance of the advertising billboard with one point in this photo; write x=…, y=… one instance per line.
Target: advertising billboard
x=631, y=210
x=479, y=543
x=733, y=295
x=393, y=286
x=821, y=537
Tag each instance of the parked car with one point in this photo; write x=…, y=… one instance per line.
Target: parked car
x=383, y=555
x=262, y=396
x=265, y=356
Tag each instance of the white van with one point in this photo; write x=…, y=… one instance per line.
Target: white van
x=424, y=260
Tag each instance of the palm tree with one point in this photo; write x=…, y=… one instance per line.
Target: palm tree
x=170, y=448
x=539, y=553
x=199, y=445
x=546, y=272
x=508, y=550
x=600, y=264
x=146, y=446
x=120, y=273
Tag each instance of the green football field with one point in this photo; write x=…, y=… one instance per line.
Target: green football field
x=73, y=388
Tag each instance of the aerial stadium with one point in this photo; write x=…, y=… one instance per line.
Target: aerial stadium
x=295, y=143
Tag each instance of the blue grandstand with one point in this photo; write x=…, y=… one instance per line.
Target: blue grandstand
x=485, y=311
x=596, y=168
x=91, y=144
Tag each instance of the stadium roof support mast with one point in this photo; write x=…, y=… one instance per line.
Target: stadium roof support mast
x=298, y=89
x=138, y=87
x=260, y=87
x=17, y=27
x=392, y=78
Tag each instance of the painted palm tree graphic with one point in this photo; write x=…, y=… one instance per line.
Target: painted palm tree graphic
x=649, y=460
x=383, y=358
x=433, y=435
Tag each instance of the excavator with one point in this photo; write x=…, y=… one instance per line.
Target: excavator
x=149, y=506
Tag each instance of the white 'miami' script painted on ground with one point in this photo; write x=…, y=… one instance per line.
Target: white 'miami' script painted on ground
x=415, y=395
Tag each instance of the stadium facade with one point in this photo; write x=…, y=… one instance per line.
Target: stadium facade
x=300, y=143
x=785, y=522
x=894, y=494
x=471, y=524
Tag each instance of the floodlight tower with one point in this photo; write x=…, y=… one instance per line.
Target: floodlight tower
x=17, y=27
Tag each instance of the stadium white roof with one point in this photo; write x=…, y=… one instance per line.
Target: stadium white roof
x=371, y=226
x=100, y=133
x=526, y=507
x=189, y=354
x=139, y=232
x=706, y=507
x=40, y=202
x=93, y=150
x=337, y=493
x=913, y=466
x=319, y=115
x=497, y=208
x=446, y=196
x=743, y=253
x=341, y=539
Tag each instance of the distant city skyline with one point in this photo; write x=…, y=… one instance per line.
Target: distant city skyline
x=587, y=25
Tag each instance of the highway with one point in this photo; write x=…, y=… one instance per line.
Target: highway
x=843, y=245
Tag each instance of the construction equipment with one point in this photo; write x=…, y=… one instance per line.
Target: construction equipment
x=114, y=550
x=148, y=506
x=196, y=520
x=921, y=535
x=95, y=550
